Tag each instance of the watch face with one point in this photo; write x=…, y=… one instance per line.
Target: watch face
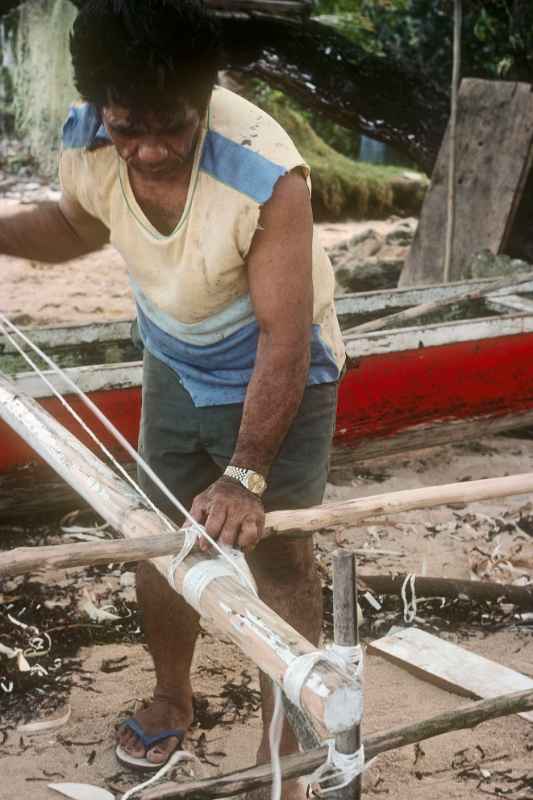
x=256, y=483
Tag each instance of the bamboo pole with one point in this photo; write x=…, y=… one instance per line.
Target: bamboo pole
x=346, y=634
x=328, y=695
x=295, y=523
x=428, y=308
x=294, y=766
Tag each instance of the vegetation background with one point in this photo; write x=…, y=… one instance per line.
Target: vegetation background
x=414, y=35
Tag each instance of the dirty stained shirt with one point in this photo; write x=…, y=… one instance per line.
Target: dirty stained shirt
x=191, y=287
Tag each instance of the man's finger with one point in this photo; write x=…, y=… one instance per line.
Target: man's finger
x=230, y=531
x=199, y=508
x=216, y=518
x=249, y=534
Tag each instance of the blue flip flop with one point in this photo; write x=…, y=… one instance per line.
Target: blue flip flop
x=147, y=741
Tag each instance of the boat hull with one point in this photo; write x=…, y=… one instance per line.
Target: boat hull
x=388, y=401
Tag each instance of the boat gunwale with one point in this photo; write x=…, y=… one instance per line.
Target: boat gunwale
x=128, y=374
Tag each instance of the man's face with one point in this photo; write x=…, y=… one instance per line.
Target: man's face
x=157, y=145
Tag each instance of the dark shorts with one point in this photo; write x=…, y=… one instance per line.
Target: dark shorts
x=189, y=447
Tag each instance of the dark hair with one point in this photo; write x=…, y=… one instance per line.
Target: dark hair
x=143, y=53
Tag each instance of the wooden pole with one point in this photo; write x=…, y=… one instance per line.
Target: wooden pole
x=452, y=139
x=294, y=766
x=346, y=634
x=296, y=523
x=328, y=695
x=351, y=512
x=481, y=591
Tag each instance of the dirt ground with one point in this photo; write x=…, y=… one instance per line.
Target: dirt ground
x=496, y=759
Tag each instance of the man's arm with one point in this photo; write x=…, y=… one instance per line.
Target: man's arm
x=52, y=232
x=281, y=288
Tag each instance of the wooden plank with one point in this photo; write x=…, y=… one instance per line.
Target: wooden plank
x=72, y=335
x=510, y=302
x=449, y=666
x=494, y=151
x=437, y=334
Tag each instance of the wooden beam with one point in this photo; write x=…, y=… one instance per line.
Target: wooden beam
x=295, y=523
x=294, y=766
x=351, y=512
x=480, y=591
x=328, y=695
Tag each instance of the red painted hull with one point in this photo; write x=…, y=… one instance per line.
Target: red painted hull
x=380, y=396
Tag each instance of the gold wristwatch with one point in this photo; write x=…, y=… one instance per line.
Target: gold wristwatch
x=251, y=480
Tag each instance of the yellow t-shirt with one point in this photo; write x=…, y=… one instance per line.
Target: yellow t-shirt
x=191, y=287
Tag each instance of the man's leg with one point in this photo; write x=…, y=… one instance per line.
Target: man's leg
x=288, y=582
x=285, y=571
x=169, y=443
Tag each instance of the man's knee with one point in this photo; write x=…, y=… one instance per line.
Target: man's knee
x=283, y=562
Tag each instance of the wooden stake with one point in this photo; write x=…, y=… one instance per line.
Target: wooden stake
x=346, y=633
x=294, y=766
x=328, y=696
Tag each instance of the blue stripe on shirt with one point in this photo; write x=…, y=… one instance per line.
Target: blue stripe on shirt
x=219, y=374
x=239, y=167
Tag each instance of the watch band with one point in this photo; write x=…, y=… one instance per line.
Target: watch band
x=251, y=480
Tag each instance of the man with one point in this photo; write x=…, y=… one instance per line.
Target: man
x=208, y=201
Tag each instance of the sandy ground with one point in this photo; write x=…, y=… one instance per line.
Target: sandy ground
x=495, y=759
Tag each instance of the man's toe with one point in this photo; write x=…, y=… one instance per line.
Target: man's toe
x=131, y=743
x=161, y=751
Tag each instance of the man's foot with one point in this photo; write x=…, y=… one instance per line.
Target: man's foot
x=161, y=715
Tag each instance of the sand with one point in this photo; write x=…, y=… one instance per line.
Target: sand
x=494, y=759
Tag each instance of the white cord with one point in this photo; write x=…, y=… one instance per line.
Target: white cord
x=298, y=670
x=175, y=758
x=339, y=770
x=409, y=607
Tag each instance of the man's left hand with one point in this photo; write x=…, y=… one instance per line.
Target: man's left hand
x=230, y=514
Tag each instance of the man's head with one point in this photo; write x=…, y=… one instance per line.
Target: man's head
x=144, y=55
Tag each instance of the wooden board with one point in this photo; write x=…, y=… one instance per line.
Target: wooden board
x=494, y=152
x=449, y=666
x=510, y=302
